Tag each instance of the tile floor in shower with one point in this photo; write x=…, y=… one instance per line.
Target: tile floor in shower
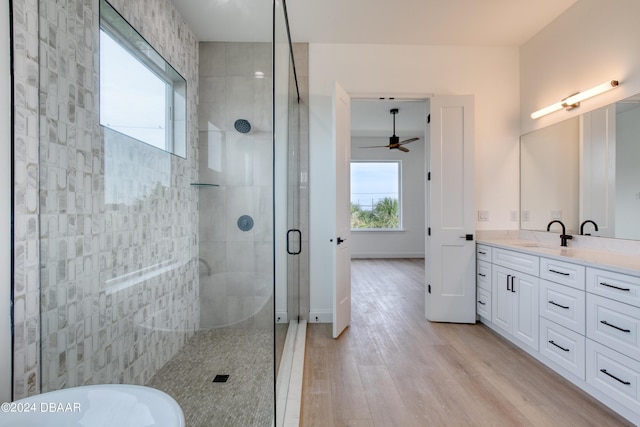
x=246, y=399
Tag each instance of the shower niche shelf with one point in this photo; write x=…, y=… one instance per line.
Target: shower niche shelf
x=203, y=184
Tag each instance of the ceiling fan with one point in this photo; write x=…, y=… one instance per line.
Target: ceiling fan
x=394, y=141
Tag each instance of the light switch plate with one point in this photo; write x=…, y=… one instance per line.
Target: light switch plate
x=483, y=215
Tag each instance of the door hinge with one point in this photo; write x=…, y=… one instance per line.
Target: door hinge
x=428, y=231
x=428, y=118
x=429, y=288
x=428, y=176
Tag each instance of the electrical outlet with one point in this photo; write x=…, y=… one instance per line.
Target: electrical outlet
x=525, y=215
x=483, y=215
x=514, y=215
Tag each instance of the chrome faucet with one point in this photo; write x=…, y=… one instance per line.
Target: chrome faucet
x=564, y=236
x=582, y=227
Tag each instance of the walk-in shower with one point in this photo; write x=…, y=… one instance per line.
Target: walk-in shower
x=152, y=262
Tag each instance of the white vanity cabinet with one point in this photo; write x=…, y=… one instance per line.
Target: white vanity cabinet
x=483, y=281
x=563, y=305
x=613, y=335
x=514, y=295
x=515, y=304
x=562, y=315
x=581, y=320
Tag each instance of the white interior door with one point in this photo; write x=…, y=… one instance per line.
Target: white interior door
x=450, y=248
x=342, y=236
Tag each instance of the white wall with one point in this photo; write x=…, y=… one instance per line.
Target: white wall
x=592, y=42
x=491, y=74
x=5, y=207
x=408, y=243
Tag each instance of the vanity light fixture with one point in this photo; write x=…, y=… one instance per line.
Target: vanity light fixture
x=573, y=101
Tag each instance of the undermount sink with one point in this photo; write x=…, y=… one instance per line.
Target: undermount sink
x=537, y=245
x=120, y=405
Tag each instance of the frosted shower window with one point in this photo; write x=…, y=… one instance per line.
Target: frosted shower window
x=141, y=95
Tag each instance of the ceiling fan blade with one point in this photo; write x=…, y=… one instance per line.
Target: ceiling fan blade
x=406, y=141
x=401, y=148
x=376, y=146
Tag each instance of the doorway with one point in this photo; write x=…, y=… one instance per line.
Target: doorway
x=385, y=178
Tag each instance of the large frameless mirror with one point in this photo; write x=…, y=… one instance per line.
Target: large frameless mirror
x=583, y=171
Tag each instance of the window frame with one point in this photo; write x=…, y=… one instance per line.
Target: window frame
x=127, y=37
x=398, y=162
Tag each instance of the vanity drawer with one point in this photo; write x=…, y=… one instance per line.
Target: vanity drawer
x=614, y=324
x=518, y=261
x=562, y=272
x=620, y=287
x=563, y=346
x=563, y=305
x=483, y=275
x=614, y=374
x=483, y=252
x=483, y=303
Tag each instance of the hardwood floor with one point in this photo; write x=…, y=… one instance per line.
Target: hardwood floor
x=392, y=367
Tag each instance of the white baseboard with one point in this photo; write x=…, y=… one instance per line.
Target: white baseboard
x=321, y=316
x=388, y=255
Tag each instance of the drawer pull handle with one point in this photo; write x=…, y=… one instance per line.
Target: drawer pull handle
x=483, y=303
x=604, y=322
x=604, y=371
x=561, y=348
x=561, y=306
x=482, y=253
x=559, y=272
x=615, y=287
x=482, y=275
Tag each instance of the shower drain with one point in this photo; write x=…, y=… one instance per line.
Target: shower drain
x=220, y=378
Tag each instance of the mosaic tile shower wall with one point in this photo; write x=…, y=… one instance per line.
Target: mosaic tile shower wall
x=118, y=219
x=236, y=283
x=26, y=302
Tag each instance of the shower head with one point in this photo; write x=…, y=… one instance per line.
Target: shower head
x=242, y=126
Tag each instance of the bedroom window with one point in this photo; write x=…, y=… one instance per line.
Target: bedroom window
x=141, y=95
x=375, y=195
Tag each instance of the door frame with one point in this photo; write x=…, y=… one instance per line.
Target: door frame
x=421, y=97
x=6, y=253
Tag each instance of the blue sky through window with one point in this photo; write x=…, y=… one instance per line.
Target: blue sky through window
x=132, y=97
x=373, y=181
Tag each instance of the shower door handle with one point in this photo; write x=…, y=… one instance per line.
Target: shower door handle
x=299, y=233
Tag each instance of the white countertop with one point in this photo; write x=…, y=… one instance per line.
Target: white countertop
x=621, y=263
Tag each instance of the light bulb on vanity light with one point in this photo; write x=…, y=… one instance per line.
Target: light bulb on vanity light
x=597, y=90
x=573, y=101
x=547, y=110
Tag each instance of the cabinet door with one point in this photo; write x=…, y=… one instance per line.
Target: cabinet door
x=563, y=305
x=501, y=298
x=484, y=275
x=525, y=322
x=484, y=303
x=614, y=324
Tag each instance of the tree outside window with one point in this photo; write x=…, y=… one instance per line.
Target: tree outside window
x=375, y=195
